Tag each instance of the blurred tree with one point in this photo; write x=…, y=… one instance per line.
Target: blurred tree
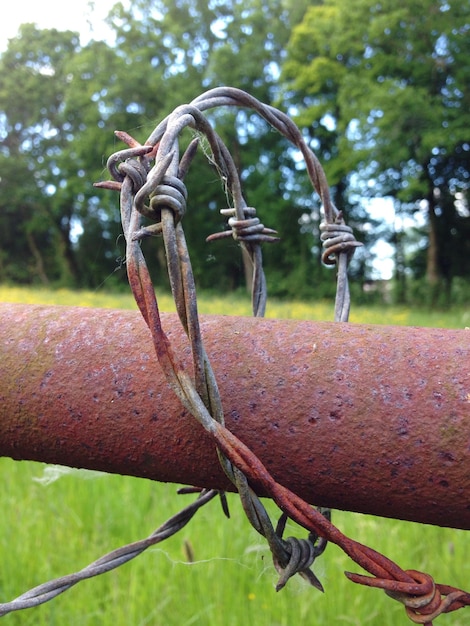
x=386, y=91
x=54, y=147
x=94, y=107
x=175, y=50
x=36, y=215
x=60, y=103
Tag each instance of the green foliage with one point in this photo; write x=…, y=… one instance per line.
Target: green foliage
x=418, y=294
x=380, y=90
x=385, y=88
x=33, y=138
x=166, y=53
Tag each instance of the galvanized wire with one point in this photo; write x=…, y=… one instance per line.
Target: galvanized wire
x=158, y=192
x=47, y=591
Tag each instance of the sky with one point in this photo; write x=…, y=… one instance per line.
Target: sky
x=83, y=16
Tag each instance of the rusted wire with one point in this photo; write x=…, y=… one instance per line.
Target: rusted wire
x=240, y=464
x=157, y=192
x=339, y=245
x=182, y=285
x=284, y=552
x=248, y=230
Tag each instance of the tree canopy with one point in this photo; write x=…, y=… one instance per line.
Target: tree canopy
x=380, y=90
x=385, y=89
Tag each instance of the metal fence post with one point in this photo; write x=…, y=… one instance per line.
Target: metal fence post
x=372, y=419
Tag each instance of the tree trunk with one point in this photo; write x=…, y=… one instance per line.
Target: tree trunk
x=432, y=261
x=433, y=269
x=433, y=273
x=69, y=266
x=40, y=271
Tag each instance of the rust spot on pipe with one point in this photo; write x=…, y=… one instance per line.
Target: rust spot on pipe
x=365, y=418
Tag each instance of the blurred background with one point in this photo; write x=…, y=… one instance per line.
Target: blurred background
x=380, y=91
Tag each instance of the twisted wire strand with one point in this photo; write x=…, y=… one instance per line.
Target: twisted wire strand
x=423, y=599
x=49, y=590
x=232, y=452
x=385, y=574
x=183, y=289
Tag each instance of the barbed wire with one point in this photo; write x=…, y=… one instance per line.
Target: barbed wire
x=49, y=590
x=202, y=400
x=157, y=192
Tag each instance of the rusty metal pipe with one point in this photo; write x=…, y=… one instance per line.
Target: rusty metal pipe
x=374, y=419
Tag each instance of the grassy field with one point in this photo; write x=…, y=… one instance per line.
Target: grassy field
x=50, y=528
x=239, y=304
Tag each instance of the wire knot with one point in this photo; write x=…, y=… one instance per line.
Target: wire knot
x=302, y=554
x=125, y=163
x=136, y=171
x=170, y=193
x=424, y=599
x=426, y=606
x=337, y=237
x=295, y=556
x=248, y=230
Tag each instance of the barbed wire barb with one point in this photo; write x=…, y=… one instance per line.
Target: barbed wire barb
x=150, y=178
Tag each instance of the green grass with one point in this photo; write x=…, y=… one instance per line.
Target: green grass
x=47, y=530
x=239, y=304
